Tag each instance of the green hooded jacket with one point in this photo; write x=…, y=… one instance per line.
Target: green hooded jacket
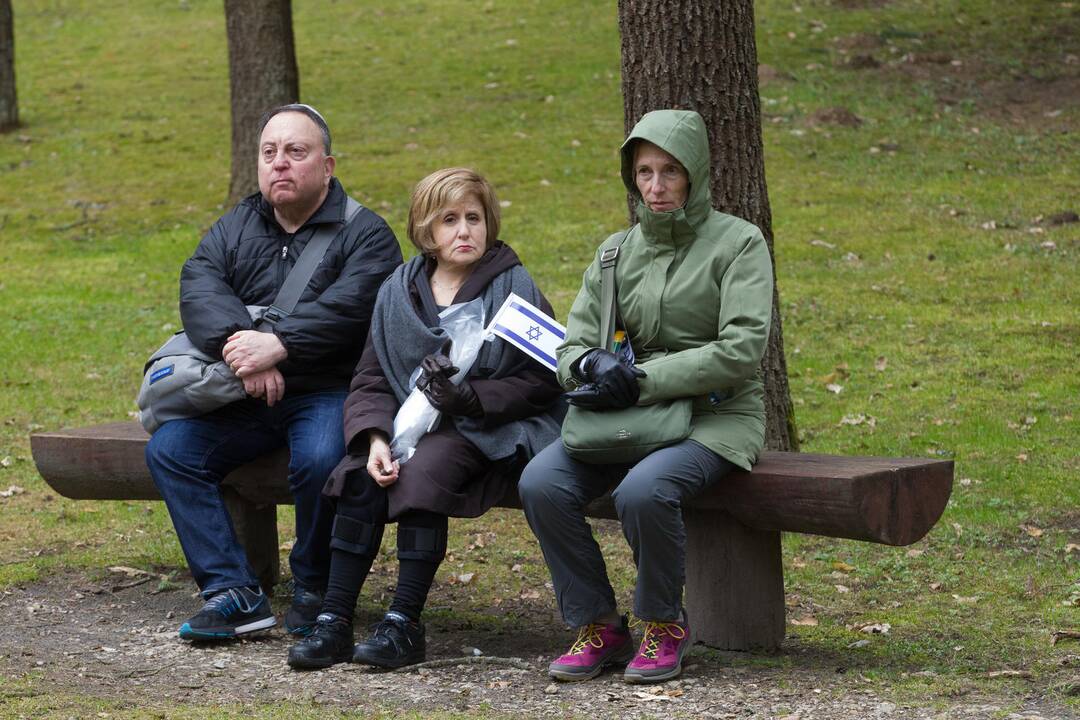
x=694, y=296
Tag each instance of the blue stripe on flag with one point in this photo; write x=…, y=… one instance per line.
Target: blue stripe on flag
x=540, y=353
x=538, y=318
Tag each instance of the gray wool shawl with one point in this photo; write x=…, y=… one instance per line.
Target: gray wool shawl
x=401, y=339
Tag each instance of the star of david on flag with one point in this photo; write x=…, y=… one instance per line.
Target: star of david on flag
x=528, y=329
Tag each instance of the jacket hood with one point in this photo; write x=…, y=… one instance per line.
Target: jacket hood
x=681, y=134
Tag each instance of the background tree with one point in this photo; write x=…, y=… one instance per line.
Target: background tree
x=262, y=75
x=9, y=107
x=701, y=55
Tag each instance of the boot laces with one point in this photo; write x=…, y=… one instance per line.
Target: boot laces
x=587, y=635
x=655, y=632
x=227, y=601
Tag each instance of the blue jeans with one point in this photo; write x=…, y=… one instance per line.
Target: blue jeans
x=189, y=458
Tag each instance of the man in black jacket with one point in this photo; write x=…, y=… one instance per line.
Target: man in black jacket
x=296, y=376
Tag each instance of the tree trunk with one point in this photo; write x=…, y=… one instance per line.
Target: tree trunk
x=701, y=55
x=9, y=106
x=262, y=75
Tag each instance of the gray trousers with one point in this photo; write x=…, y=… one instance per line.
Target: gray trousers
x=555, y=489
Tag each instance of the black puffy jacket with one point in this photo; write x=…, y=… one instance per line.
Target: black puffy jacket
x=243, y=260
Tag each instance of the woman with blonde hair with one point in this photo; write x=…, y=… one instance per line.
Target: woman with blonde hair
x=492, y=422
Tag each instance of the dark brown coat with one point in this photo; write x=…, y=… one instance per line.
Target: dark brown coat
x=371, y=406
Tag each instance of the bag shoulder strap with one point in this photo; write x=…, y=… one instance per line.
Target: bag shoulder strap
x=608, y=258
x=300, y=275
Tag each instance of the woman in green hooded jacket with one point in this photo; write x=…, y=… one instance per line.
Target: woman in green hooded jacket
x=694, y=298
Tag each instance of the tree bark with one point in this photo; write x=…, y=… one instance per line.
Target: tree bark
x=9, y=106
x=701, y=55
x=262, y=75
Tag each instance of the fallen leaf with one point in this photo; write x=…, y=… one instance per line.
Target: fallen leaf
x=876, y=628
x=915, y=552
x=822, y=244
x=881, y=363
x=1009, y=673
x=799, y=563
x=12, y=490
x=650, y=697
x=530, y=595
x=1071, y=548
x=843, y=566
x=834, y=388
x=1022, y=457
x=129, y=571
x=1060, y=635
x=806, y=621
x=859, y=644
x=935, y=586
x=842, y=588
x=1032, y=530
x=466, y=578
x=958, y=528
x=5, y=461
x=966, y=600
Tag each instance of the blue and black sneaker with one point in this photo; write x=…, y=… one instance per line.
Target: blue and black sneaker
x=301, y=615
x=230, y=613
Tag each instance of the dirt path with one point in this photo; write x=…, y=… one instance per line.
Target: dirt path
x=97, y=638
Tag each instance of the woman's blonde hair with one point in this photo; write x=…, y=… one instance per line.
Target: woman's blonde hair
x=441, y=189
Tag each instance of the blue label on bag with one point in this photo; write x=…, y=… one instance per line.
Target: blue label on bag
x=161, y=373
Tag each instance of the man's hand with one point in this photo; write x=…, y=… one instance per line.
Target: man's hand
x=250, y=351
x=267, y=384
x=382, y=468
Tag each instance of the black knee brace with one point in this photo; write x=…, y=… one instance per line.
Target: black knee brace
x=421, y=543
x=355, y=536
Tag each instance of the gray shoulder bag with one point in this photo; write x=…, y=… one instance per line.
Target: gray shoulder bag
x=181, y=381
x=624, y=435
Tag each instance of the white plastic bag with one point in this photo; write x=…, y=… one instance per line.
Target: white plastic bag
x=464, y=324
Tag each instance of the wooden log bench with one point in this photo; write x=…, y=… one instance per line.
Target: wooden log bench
x=734, y=583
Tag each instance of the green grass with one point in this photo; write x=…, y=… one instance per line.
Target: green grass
x=123, y=163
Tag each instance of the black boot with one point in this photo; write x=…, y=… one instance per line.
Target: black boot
x=329, y=643
x=395, y=642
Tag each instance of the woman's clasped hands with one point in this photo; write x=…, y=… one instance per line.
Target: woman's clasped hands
x=608, y=382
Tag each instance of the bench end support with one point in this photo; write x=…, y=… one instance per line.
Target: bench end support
x=734, y=583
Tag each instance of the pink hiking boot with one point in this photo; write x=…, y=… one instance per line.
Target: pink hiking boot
x=660, y=655
x=596, y=646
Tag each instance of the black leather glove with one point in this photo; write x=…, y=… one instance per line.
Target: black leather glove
x=446, y=397
x=609, y=382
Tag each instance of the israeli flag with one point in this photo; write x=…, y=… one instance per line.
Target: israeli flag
x=528, y=329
